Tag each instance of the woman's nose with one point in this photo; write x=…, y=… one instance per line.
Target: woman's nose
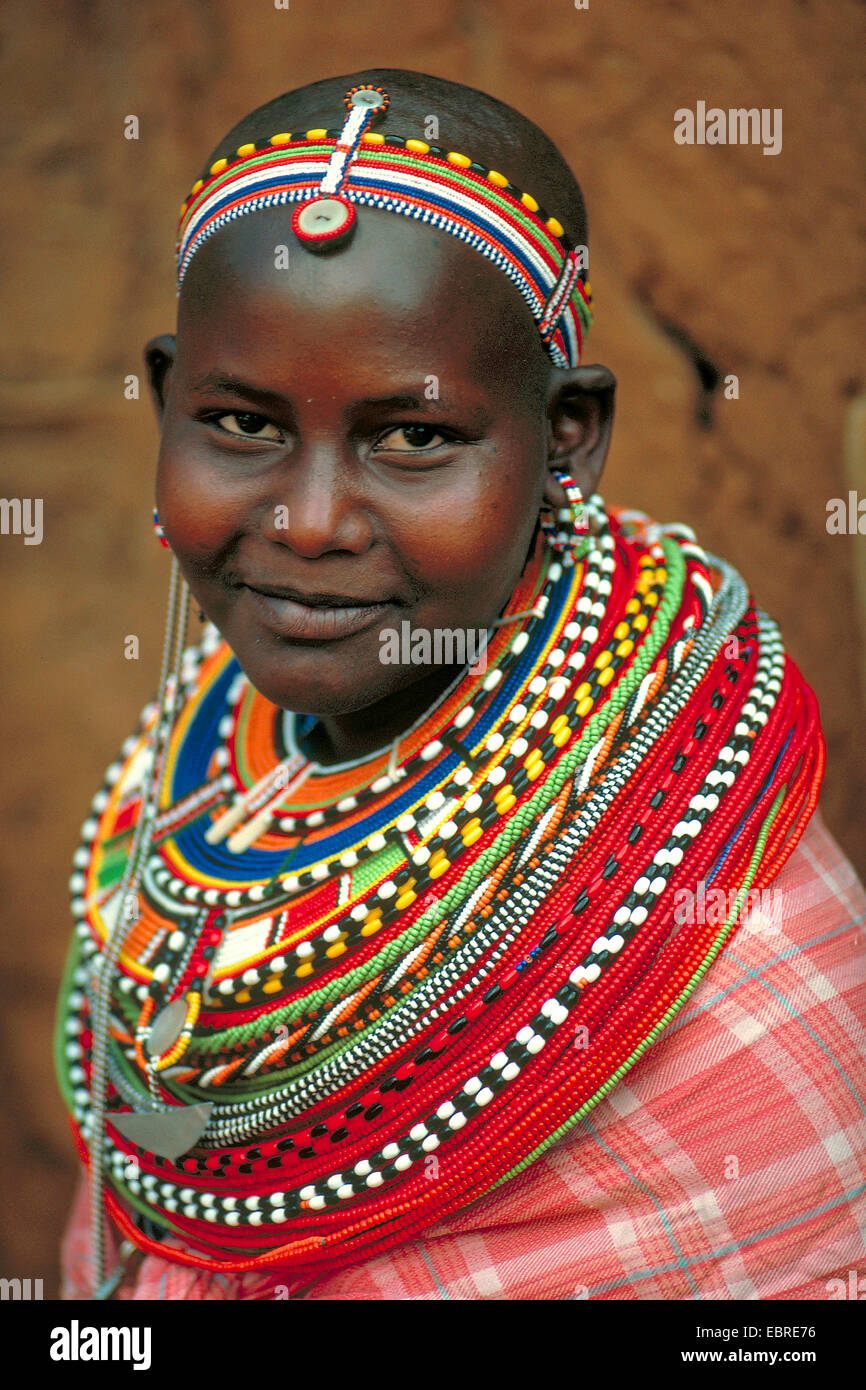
x=317, y=506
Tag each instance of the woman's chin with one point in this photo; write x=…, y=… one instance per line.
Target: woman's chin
x=326, y=688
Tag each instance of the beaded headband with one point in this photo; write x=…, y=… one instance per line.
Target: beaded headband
x=327, y=172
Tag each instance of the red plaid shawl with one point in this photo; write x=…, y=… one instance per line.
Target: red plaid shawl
x=730, y=1164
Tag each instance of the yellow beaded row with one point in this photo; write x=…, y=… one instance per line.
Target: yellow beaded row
x=650, y=575
x=407, y=895
x=561, y=731
x=472, y=831
x=372, y=922
x=438, y=864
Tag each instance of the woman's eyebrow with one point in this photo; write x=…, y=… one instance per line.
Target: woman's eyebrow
x=472, y=413
x=218, y=383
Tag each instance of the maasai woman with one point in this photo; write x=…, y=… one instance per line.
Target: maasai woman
x=472, y=790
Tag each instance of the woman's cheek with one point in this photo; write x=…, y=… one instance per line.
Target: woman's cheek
x=198, y=511
x=456, y=538
x=476, y=546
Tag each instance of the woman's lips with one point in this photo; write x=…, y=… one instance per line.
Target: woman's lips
x=297, y=621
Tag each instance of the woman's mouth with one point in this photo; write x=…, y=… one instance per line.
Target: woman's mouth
x=320, y=618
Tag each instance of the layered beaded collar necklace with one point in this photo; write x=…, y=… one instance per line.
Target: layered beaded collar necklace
x=309, y=1011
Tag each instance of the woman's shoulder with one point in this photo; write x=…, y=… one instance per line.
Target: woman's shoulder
x=816, y=899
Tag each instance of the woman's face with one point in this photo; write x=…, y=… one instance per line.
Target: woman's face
x=349, y=443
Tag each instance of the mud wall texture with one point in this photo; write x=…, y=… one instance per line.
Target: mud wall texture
x=707, y=261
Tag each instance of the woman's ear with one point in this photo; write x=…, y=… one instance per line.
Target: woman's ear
x=580, y=420
x=159, y=358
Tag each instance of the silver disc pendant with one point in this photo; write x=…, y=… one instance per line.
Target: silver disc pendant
x=322, y=223
x=167, y=1133
x=166, y=1027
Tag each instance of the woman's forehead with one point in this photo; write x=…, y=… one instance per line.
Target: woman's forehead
x=397, y=288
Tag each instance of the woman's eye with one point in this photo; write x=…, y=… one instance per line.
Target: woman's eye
x=249, y=426
x=409, y=439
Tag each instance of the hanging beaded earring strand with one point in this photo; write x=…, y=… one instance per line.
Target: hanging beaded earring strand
x=569, y=533
x=161, y=537
x=160, y=533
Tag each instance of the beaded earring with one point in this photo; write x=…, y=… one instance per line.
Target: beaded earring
x=157, y=526
x=568, y=533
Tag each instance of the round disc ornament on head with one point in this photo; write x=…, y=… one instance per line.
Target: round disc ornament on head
x=329, y=219
x=372, y=99
x=323, y=222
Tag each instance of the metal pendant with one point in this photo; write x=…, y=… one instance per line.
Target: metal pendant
x=166, y=1133
x=166, y=1027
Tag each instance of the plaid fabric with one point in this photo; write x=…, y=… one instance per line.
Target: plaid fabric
x=729, y=1164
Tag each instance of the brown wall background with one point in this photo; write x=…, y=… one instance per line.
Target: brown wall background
x=705, y=261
